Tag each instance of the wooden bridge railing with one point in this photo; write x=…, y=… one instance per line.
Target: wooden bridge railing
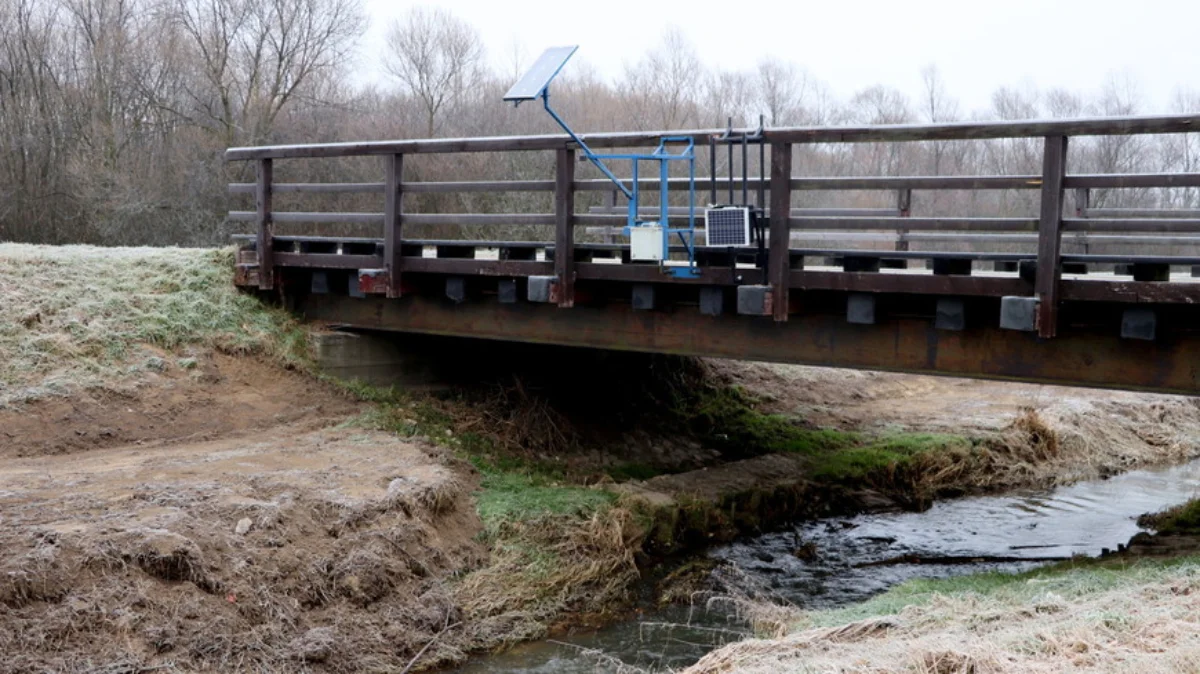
x=1049, y=226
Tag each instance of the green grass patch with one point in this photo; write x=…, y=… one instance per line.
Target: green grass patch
x=1181, y=519
x=402, y=413
x=518, y=497
x=728, y=419
x=887, y=455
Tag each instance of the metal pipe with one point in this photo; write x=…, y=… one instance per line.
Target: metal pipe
x=587, y=151
x=745, y=172
x=712, y=169
x=762, y=163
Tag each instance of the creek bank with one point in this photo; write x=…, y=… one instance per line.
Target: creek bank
x=1133, y=607
x=1089, y=617
x=1174, y=532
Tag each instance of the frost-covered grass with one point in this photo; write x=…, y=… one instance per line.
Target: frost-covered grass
x=77, y=317
x=1090, y=617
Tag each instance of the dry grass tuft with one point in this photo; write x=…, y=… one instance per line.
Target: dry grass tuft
x=542, y=568
x=522, y=421
x=1040, y=438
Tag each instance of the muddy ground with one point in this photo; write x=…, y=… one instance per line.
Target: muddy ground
x=227, y=517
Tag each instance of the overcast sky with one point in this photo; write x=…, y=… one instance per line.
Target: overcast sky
x=852, y=44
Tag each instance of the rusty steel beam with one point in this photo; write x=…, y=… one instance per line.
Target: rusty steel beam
x=1097, y=358
x=1131, y=292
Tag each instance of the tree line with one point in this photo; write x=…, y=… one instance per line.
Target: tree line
x=114, y=115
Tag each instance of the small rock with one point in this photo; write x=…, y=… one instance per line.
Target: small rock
x=315, y=645
x=398, y=486
x=243, y=526
x=805, y=551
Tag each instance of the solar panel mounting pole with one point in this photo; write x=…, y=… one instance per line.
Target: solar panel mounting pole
x=535, y=84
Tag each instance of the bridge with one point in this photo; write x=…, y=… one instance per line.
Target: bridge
x=1098, y=297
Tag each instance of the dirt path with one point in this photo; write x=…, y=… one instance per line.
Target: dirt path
x=273, y=550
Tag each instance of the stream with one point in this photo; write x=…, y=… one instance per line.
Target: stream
x=820, y=564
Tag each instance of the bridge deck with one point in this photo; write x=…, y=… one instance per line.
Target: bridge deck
x=1106, y=298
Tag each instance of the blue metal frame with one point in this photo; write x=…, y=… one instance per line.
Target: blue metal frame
x=663, y=156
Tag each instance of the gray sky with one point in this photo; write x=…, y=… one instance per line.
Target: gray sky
x=852, y=44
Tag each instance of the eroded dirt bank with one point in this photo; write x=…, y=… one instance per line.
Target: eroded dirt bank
x=210, y=395
x=237, y=516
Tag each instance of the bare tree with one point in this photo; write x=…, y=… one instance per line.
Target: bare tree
x=32, y=124
x=1062, y=103
x=781, y=90
x=729, y=95
x=256, y=56
x=936, y=106
x=1181, y=153
x=880, y=105
x=437, y=57
x=1120, y=96
x=662, y=89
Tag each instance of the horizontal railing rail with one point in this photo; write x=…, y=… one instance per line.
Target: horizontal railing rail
x=832, y=184
x=1104, y=126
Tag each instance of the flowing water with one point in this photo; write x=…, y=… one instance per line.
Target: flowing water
x=837, y=561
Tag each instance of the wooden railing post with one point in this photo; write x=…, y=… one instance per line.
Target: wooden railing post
x=904, y=206
x=610, y=205
x=564, y=226
x=266, y=229
x=1049, y=262
x=1083, y=202
x=780, y=231
x=392, y=209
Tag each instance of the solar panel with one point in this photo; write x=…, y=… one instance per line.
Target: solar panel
x=538, y=77
x=729, y=226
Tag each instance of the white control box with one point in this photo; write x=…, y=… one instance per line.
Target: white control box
x=646, y=242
